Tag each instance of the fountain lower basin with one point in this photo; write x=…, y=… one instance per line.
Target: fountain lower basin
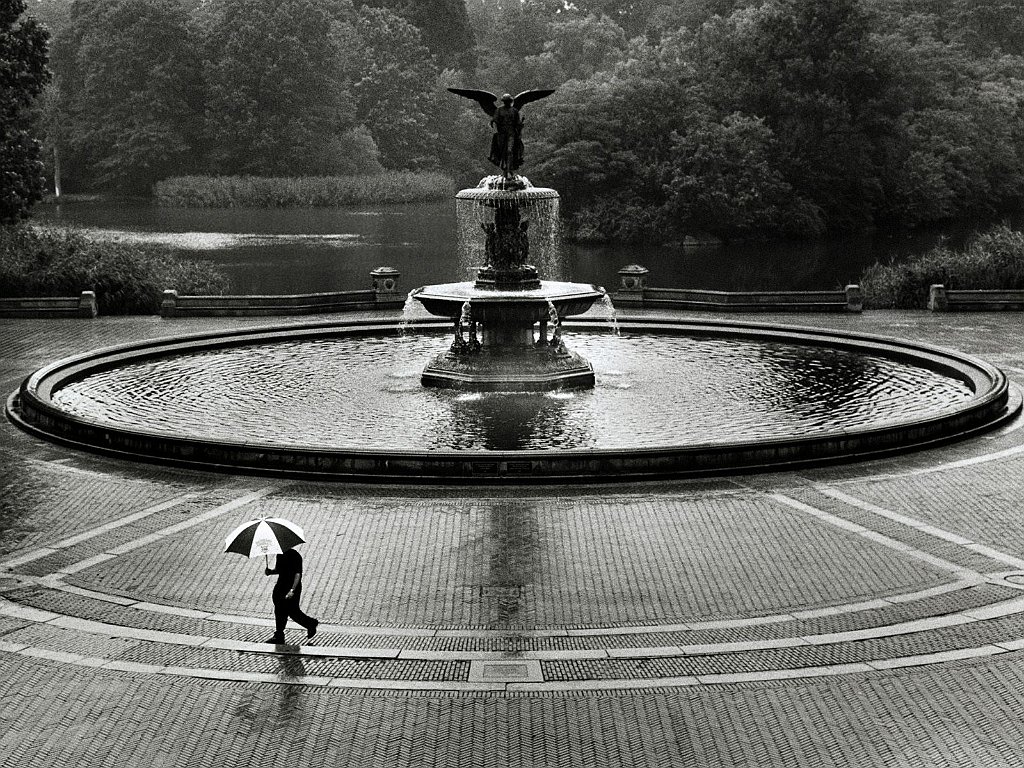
x=509, y=354
x=599, y=435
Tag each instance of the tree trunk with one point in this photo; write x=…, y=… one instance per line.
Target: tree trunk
x=56, y=173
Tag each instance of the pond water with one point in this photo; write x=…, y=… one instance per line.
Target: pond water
x=328, y=249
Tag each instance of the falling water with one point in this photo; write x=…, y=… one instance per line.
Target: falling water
x=408, y=311
x=538, y=206
x=605, y=310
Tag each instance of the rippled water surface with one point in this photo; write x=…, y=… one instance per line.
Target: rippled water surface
x=652, y=390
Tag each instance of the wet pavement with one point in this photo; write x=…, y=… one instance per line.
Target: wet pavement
x=869, y=614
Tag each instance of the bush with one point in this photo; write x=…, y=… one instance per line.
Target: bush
x=609, y=220
x=992, y=260
x=304, y=192
x=127, y=278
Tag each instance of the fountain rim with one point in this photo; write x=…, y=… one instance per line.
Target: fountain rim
x=31, y=409
x=548, y=290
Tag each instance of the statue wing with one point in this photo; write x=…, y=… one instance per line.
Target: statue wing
x=487, y=100
x=526, y=97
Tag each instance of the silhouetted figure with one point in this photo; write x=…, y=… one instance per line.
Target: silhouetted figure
x=287, y=592
x=507, y=142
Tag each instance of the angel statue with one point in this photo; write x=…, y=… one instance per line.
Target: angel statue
x=507, y=142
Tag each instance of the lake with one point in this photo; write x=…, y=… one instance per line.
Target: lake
x=297, y=250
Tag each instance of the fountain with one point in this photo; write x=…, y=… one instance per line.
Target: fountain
x=507, y=323
x=501, y=397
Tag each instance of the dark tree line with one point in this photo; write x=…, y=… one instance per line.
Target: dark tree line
x=672, y=117
x=23, y=75
x=795, y=117
x=145, y=89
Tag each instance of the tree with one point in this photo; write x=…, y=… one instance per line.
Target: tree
x=397, y=92
x=579, y=46
x=723, y=181
x=443, y=25
x=510, y=36
x=126, y=76
x=277, y=93
x=813, y=73
x=23, y=75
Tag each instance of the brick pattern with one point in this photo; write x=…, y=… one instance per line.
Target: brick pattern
x=512, y=564
x=983, y=501
x=964, y=714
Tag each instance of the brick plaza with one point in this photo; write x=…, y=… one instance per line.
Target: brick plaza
x=868, y=614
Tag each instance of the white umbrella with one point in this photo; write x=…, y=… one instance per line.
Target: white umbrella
x=264, y=536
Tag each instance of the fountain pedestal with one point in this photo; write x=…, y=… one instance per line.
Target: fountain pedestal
x=507, y=323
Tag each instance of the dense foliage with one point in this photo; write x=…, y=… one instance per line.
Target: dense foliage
x=23, y=74
x=738, y=118
x=128, y=278
x=992, y=260
x=307, y=192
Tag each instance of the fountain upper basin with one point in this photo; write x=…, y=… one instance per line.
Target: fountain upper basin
x=493, y=305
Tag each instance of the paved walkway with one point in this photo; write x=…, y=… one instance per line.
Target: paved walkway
x=860, y=615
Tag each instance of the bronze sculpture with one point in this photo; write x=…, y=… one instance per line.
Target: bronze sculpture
x=507, y=142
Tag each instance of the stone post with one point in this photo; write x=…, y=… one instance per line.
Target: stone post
x=854, y=298
x=87, y=306
x=632, y=283
x=937, y=299
x=169, y=305
x=385, y=284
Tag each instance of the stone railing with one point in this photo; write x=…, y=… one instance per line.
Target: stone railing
x=634, y=291
x=942, y=299
x=383, y=294
x=50, y=306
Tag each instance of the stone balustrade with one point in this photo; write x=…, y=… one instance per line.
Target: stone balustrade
x=942, y=299
x=383, y=295
x=83, y=305
x=634, y=291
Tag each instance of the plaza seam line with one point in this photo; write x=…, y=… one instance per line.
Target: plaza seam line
x=89, y=626
x=960, y=464
x=94, y=532
x=870, y=535
x=517, y=686
x=54, y=581
x=920, y=525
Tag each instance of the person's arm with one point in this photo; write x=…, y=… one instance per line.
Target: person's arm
x=295, y=585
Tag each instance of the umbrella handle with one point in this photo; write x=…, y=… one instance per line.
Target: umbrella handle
x=266, y=559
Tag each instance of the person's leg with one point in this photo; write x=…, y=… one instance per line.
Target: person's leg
x=295, y=614
x=281, y=609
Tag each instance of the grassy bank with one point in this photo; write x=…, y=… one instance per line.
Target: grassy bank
x=128, y=278
x=303, y=192
x=991, y=260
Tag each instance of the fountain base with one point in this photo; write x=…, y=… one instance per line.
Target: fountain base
x=525, y=369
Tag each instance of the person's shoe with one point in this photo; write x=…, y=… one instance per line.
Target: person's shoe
x=312, y=630
x=277, y=640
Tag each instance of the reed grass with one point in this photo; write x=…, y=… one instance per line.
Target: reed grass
x=128, y=278
x=302, y=192
x=992, y=260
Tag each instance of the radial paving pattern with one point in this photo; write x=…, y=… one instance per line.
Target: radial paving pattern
x=869, y=615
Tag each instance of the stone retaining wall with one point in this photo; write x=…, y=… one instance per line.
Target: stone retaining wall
x=633, y=291
x=51, y=306
x=942, y=299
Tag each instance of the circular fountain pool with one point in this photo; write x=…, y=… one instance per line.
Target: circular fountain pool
x=672, y=398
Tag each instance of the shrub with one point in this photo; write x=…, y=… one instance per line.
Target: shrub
x=991, y=260
x=127, y=278
x=304, y=192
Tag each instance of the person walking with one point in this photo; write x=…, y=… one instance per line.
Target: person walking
x=287, y=593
